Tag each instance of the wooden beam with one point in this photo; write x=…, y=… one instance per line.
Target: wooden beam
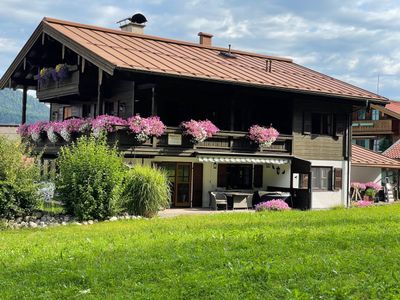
x=24, y=63
x=62, y=52
x=43, y=36
x=133, y=98
x=24, y=100
x=99, y=107
x=153, y=102
x=83, y=65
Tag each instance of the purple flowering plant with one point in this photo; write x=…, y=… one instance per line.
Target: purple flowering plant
x=22, y=130
x=274, y=204
x=74, y=126
x=53, y=130
x=37, y=130
x=106, y=123
x=44, y=76
x=262, y=135
x=144, y=128
x=199, y=130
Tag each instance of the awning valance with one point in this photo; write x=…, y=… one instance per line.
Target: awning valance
x=244, y=160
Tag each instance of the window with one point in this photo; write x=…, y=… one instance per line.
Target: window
x=321, y=124
x=375, y=115
x=361, y=114
x=235, y=176
x=67, y=113
x=363, y=143
x=376, y=145
x=321, y=178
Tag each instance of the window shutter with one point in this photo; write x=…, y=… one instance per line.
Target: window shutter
x=340, y=124
x=338, y=178
x=258, y=176
x=307, y=123
x=222, y=176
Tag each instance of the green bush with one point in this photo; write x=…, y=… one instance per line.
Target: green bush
x=18, y=180
x=90, y=171
x=145, y=191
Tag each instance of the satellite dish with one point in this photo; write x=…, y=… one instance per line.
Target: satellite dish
x=138, y=18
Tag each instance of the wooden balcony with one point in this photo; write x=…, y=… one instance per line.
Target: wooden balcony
x=363, y=127
x=174, y=143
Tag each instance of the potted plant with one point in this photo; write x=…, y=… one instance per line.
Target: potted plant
x=263, y=136
x=144, y=128
x=53, y=130
x=371, y=189
x=199, y=131
x=71, y=128
x=106, y=124
x=60, y=72
x=23, y=131
x=37, y=131
x=44, y=76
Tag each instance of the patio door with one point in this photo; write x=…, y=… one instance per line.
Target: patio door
x=179, y=176
x=301, y=190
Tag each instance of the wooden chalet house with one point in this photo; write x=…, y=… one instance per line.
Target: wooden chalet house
x=377, y=127
x=125, y=72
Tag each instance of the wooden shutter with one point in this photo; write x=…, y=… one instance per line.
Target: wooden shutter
x=307, y=123
x=222, y=179
x=340, y=124
x=258, y=176
x=338, y=178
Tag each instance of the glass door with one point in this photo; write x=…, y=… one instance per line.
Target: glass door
x=179, y=176
x=183, y=184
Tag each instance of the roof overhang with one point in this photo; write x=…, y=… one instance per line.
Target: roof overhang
x=244, y=160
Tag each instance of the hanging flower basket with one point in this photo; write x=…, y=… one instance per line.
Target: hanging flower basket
x=199, y=131
x=263, y=136
x=72, y=128
x=53, y=130
x=105, y=123
x=44, y=76
x=37, y=131
x=144, y=128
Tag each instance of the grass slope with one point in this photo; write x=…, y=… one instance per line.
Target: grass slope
x=340, y=254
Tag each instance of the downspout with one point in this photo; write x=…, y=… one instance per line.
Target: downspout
x=348, y=146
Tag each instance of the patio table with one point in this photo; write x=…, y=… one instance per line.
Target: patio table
x=238, y=199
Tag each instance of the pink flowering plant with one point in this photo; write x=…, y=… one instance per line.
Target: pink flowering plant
x=106, y=123
x=53, y=130
x=199, y=131
x=262, y=135
x=37, y=130
x=358, y=185
x=71, y=127
x=274, y=204
x=362, y=203
x=22, y=130
x=144, y=128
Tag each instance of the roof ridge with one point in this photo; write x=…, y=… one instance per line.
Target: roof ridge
x=161, y=39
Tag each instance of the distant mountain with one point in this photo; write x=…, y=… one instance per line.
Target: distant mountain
x=11, y=108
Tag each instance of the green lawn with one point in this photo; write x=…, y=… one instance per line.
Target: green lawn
x=337, y=254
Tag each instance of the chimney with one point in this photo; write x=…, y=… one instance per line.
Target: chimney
x=205, y=39
x=134, y=24
x=133, y=27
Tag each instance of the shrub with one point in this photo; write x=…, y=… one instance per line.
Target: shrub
x=18, y=180
x=274, y=204
x=145, y=191
x=90, y=171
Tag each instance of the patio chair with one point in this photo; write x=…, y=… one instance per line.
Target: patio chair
x=218, y=199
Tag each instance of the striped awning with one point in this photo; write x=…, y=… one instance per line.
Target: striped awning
x=244, y=160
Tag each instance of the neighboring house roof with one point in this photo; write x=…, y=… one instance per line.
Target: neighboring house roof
x=362, y=157
x=393, y=106
x=391, y=109
x=393, y=151
x=118, y=50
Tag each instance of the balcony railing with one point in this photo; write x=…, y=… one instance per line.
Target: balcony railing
x=372, y=126
x=173, y=142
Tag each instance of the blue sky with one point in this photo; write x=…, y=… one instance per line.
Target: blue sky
x=353, y=40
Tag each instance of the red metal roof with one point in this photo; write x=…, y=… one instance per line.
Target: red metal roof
x=138, y=52
x=393, y=151
x=393, y=106
x=366, y=158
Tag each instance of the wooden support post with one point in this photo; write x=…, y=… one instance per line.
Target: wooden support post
x=83, y=65
x=133, y=99
x=100, y=110
x=63, y=52
x=24, y=99
x=153, y=102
